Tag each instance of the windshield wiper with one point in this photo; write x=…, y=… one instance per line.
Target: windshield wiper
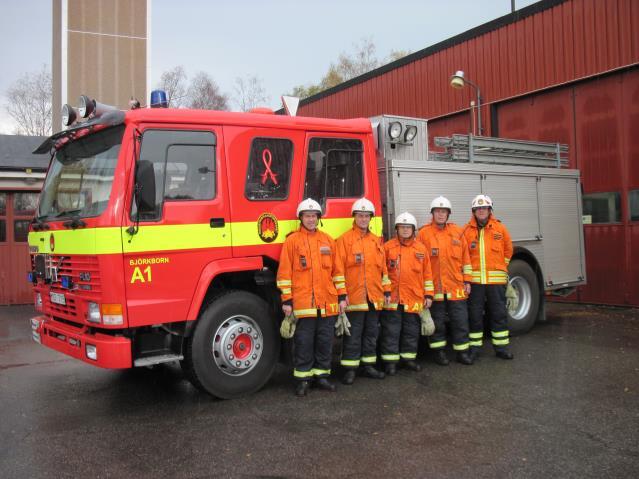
x=39, y=224
x=75, y=221
x=70, y=213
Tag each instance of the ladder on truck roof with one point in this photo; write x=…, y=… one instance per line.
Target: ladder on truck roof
x=500, y=151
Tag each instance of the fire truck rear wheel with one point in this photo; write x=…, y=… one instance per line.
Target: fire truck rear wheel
x=234, y=347
x=524, y=281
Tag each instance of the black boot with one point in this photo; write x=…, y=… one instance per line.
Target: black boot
x=302, y=388
x=412, y=365
x=503, y=353
x=325, y=385
x=441, y=358
x=463, y=357
x=349, y=377
x=474, y=353
x=371, y=372
x=391, y=369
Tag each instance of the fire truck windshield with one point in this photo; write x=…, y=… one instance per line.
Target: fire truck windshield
x=80, y=177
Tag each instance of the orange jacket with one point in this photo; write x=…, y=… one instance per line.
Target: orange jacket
x=360, y=258
x=490, y=251
x=410, y=274
x=449, y=259
x=306, y=275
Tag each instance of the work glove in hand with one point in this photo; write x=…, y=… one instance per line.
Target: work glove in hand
x=428, y=325
x=512, y=301
x=287, y=328
x=342, y=325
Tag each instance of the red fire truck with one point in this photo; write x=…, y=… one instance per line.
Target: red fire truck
x=158, y=232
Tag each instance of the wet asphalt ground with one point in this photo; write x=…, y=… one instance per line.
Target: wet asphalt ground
x=567, y=406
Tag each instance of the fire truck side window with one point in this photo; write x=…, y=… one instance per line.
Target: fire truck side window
x=269, y=169
x=334, y=169
x=184, y=166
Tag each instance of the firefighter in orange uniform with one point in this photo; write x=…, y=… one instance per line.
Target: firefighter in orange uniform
x=306, y=277
x=450, y=261
x=360, y=257
x=411, y=291
x=490, y=251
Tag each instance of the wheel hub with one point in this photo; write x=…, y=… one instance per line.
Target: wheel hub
x=237, y=345
x=524, y=298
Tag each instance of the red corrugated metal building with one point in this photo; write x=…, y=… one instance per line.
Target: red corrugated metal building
x=560, y=71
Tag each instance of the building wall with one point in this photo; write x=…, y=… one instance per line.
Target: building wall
x=559, y=71
x=99, y=50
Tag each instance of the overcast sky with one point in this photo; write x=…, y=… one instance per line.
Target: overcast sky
x=284, y=42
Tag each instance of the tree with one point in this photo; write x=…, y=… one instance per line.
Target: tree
x=250, y=93
x=173, y=82
x=204, y=94
x=29, y=102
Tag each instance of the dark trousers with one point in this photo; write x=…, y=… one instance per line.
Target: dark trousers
x=313, y=343
x=400, y=335
x=361, y=345
x=457, y=312
x=491, y=299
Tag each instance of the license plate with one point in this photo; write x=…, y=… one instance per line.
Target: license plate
x=58, y=298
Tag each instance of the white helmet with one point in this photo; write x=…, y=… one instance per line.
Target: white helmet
x=441, y=202
x=363, y=206
x=482, y=200
x=309, y=205
x=406, y=219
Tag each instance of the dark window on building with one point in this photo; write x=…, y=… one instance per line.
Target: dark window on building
x=3, y=231
x=3, y=204
x=25, y=204
x=184, y=166
x=633, y=205
x=334, y=169
x=3, y=212
x=20, y=230
x=269, y=169
x=602, y=208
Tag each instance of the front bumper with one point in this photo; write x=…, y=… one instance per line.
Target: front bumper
x=112, y=352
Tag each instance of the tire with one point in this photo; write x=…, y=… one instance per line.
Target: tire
x=234, y=347
x=523, y=279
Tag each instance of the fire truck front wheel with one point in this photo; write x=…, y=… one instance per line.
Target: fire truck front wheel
x=523, y=314
x=234, y=347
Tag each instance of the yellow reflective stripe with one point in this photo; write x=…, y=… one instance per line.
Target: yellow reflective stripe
x=461, y=347
x=499, y=334
x=284, y=282
x=385, y=280
x=89, y=241
x=408, y=355
x=437, y=344
x=476, y=335
x=391, y=306
x=428, y=285
x=350, y=362
x=496, y=281
x=321, y=372
x=357, y=307
x=439, y=296
x=369, y=359
x=305, y=312
x=500, y=342
x=507, y=260
x=285, y=290
x=340, y=285
x=390, y=357
x=476, y=343
x=302, y=374
x=338, y=278
x=482, y=257
x=176, y=237
x=467, y=269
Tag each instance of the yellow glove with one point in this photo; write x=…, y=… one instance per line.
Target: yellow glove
x=341, y=325
x=287, y=328
x=428, y=325
x=512, y=300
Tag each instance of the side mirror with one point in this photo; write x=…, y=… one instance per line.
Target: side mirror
x=145, y=185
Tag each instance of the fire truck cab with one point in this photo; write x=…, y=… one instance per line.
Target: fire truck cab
x=159, y=231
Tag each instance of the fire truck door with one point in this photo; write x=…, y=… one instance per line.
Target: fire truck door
x=187, y=228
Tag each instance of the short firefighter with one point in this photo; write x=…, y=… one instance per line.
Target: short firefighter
x=307, y=279
x=360, y=256
x=411, y=291
x=490, y=251
x=450, y=261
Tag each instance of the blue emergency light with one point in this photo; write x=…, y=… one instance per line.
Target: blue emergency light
x=31, y=277
x=158, y=99
x=66, y=282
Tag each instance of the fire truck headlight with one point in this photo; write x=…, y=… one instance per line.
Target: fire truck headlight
x=86, y=106
x=94, y=313
x=394, y=130
x=68, y=115
x=112, y=314
x=411, y=133
x=38, y=301
x=91, y=352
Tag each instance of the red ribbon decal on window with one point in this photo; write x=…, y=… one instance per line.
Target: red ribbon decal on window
x=267, y=159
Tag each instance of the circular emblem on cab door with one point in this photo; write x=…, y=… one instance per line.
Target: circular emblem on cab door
x=267, y=227
x=51, y=242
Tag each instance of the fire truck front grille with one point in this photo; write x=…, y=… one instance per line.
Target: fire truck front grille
x=83, y=271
